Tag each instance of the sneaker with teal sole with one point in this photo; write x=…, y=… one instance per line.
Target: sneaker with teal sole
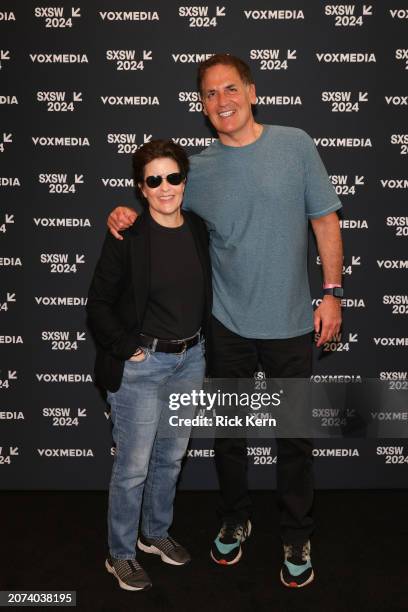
x=227, y=546
x=297, y=568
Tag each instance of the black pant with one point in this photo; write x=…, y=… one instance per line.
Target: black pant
x=237, y=357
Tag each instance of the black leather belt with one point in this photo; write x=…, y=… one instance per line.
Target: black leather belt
x=168, y=346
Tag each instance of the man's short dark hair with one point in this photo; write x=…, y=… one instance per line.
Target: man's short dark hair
x=153, y=150
x=243, y=69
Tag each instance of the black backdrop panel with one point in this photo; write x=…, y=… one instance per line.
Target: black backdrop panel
x=82, y=85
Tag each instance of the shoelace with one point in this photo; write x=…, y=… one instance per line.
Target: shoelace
x=231, y=531
x=165, y=544
x=125, y=567
x=298, y=553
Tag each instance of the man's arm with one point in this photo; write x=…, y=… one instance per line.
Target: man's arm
x=120, y=219
x=327, y=317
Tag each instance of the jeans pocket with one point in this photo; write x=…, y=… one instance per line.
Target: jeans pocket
x=146, y=352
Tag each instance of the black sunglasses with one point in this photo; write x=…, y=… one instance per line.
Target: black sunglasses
x=175, y=178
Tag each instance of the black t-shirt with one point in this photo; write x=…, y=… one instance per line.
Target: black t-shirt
x=176, y=298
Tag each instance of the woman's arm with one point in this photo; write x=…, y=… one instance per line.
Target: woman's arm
x=107, y=286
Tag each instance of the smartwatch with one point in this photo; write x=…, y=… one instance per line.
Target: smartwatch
x=334, y=291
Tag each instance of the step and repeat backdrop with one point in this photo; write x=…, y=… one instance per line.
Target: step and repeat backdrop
x=82, y=85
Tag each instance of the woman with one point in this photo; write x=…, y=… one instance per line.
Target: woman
x=149, y=298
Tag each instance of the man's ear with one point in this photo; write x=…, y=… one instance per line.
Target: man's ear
x=203, y=103
x=252, y=93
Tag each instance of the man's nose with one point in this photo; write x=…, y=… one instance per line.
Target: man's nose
x=222, y=98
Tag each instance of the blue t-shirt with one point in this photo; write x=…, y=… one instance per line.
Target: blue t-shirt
x=256, y=201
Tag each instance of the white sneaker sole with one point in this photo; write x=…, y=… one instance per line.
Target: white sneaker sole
x=297, y=586
x=156, y=551
x=122, y=584
x=239, y=555
x=223, y=562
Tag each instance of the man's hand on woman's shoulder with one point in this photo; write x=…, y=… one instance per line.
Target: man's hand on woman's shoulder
x=120, y=219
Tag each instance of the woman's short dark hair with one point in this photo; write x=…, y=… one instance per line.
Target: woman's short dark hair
x=242, y=68
x=153, y=150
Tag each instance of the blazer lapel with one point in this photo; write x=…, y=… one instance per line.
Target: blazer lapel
x=140, y=262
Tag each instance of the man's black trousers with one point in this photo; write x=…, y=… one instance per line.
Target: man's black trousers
x=237, y=357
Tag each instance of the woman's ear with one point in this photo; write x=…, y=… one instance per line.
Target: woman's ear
x=140, y=185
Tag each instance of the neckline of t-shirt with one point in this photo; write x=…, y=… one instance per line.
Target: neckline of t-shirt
x=255, y=143
x=164, y=228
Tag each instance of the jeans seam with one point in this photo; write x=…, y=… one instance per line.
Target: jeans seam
x=150, y=492
x=113, y=476
x=116, y=460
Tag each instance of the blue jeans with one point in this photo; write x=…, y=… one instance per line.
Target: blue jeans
x=148, y=460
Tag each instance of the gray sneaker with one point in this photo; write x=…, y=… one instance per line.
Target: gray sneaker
x=168, y=549
x=130, y=575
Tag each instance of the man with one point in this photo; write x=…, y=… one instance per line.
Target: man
x=257, y=188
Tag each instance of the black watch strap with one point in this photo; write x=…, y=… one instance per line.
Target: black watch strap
x=335, y=291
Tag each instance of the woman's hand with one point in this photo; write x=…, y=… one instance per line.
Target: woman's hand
x=139, y=355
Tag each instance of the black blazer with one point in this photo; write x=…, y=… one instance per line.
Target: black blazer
x=119, y=292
